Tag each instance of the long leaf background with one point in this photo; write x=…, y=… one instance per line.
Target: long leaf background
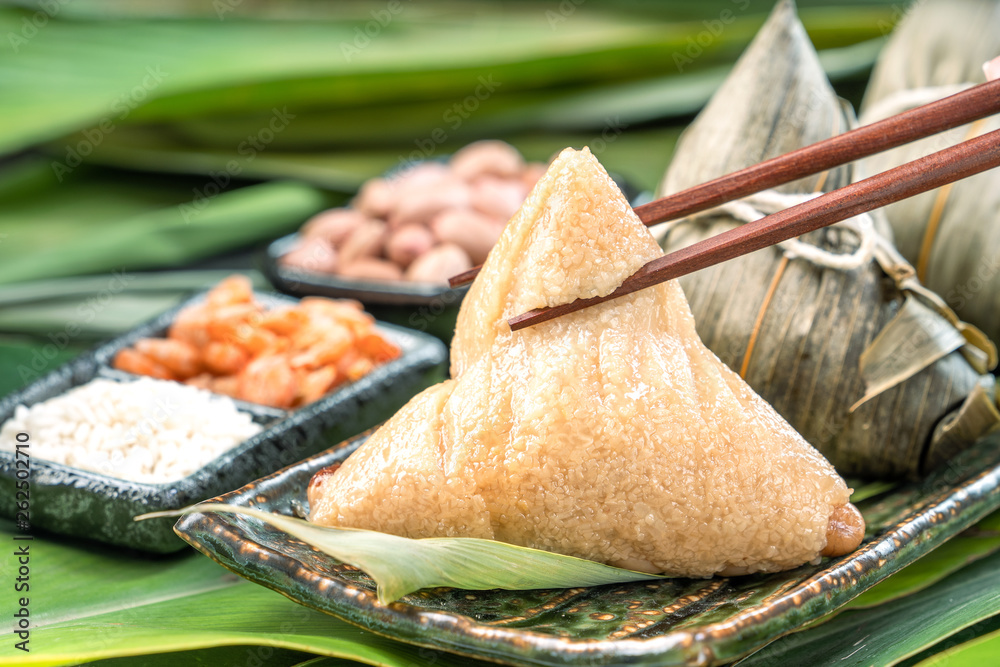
x=125, y=170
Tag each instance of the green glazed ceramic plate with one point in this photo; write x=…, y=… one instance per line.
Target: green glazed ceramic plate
x=675, y=622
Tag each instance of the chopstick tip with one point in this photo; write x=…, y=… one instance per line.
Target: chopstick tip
x=464, y=278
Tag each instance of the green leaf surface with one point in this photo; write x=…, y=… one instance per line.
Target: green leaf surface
x=94, y=222
x=969, y=636
x=105, y=74
x=863, y=490
x=621, y=147
x=888, y=633
x=977, y=542
x=89, y=603
x=23, y=360
x=400, y=565
x=223, y=656
x=83, y=309
x=983, y=650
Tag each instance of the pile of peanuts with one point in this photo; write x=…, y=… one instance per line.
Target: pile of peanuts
x=284, y=357
x=426, y=224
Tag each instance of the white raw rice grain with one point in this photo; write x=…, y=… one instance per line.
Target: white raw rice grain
x=148, y=430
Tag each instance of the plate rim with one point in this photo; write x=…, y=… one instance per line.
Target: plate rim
x=301, y=282
x=843, y=579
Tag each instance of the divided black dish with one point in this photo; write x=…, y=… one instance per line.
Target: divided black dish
x=86, y=504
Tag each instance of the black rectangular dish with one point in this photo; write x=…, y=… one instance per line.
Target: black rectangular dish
x=81, y=503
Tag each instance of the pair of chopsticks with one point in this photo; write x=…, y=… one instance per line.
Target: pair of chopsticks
x=927, y=173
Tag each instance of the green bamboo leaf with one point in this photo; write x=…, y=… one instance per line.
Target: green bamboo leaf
x=119, y=314
x=82, y=287
x=89, y=602
x=94, y=222
x=23, y=360
x=223, y=656
x=891, y=632
x=977, y=652
x=86, y=308
x=409, y=124
x=400, y=565
x=623, y=149
x=104, y=75
x=978, y=542
x=863, y=490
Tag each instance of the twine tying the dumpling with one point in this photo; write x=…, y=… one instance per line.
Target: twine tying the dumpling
x=909, y=98
x=759, y=205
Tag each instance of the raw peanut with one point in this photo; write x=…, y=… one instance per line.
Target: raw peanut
x=487, y=157
x=415, y=181
x=470, y=230
x=369, y=268
x=419, y=177
x=992, y=69
x=845, y=530
x=407, y=243
x=376, y=198
x=421, y=206
x=532, y=172
x=334, y=225
x=438, y=264
x=312, y=254
x=497, y=197
x=365, y=241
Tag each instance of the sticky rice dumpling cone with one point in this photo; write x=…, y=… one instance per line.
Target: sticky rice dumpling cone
x=793, y=330
x=610, y=434
x=951, y=235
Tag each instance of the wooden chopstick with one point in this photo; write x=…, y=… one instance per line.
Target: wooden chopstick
x=910, y=179
x=964, y=107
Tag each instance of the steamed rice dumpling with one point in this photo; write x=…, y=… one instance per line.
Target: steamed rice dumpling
x=834, y=331
x=952, y=234
x=610, y=434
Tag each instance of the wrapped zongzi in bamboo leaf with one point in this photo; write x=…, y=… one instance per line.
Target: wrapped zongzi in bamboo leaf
x=951, y=235
x=832, y=329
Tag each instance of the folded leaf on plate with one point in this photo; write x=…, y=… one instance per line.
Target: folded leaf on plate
x=401, y=565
